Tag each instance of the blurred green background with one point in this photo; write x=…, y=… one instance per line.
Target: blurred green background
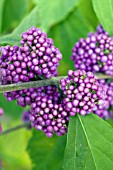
x=65, y=22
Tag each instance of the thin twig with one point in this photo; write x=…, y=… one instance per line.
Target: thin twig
x=103, y=76
x=15, y=128
x=32, y=84
x=40, y=83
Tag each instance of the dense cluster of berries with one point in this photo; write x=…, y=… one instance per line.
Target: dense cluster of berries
x=1, y=113
x=26, y=97
x=95, y=53
x=106, y=110
x=44, y=55
x=37, y=58
x=82, y=92
x=8, y=65
x=48, y=113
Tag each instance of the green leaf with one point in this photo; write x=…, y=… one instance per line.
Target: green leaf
x=52, y=12
x=65, y=34
x=89, y=144
x=10, y=39
x=13, y=154
x=14, y=38
x=1, y=13
x=31, y=20
x=104, y=12
x=13, y=13
x=10, y=108
x=45, y=153
x=86, y=9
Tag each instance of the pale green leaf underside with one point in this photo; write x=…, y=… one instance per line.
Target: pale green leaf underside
x=91, y=146
x=52, y=12
x=14, y=38
x=13, y=12
x=65, y=34
x=1, y=13
x=104, y=12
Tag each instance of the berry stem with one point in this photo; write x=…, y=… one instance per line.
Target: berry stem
x=46, y=82
x=104, y=76
x=15, y=128
x=33, y=84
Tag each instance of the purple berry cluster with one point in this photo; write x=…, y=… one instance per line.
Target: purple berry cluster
x=44, y=55
x=82, y=92
x=48, y=113
x=8, y=65
x=106, y=110
x=27, y=97
x=1, y=113
x=94, y=53
x=24, y=97
x=36, y=59
x=108, y=88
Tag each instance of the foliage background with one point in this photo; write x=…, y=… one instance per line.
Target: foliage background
x=65, y=22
